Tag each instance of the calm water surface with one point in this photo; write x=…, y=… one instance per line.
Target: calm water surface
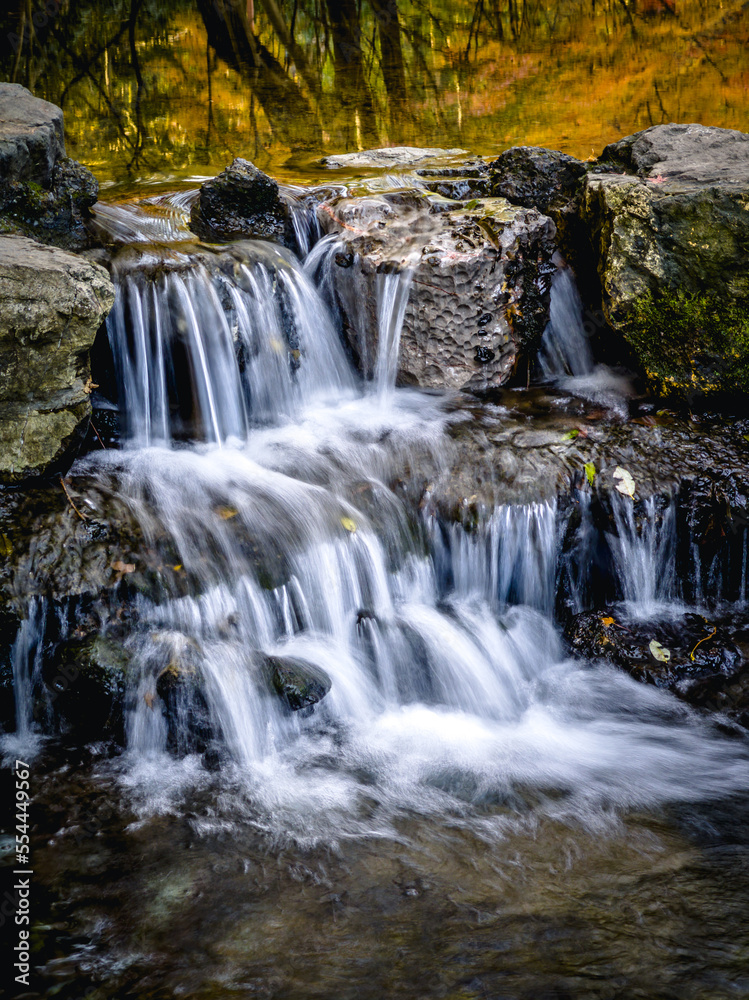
x=175, y=90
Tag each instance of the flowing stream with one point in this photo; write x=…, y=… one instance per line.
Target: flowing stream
x=455, y=724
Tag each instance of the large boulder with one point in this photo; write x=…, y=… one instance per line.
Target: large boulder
x=51, y=306
x=43, y=193
x=242, y=202
x=479, y=277
x=667, y=213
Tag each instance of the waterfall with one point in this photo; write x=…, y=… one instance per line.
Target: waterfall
x=270, y=495
x=207, y=349
x=392, y=299
x=26, y=664
x=565, y=346
x=644, y=553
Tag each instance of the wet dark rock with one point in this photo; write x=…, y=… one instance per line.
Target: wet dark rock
x=712, y=523
x=242, y=202
x=9, y=623
x=538, y=178
x=179, y=685
x=545, y=179
x=533, y=446
x=666, y=212
x=32, y=138
x=691, y=656
x=51, y=306
x=473, y=261
x=85, y=684
x=484, y=355
x=298, y=683
x=43, y=193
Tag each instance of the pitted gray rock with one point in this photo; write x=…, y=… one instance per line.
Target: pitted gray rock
x=479, y=296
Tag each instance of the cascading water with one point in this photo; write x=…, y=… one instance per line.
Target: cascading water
x=565, y=355
x=454, y=772
x=282, y=536
x=392, y=300
x=565, y=346
x=216, y=344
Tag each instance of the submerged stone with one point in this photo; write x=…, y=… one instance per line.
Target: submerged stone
x=298, y=683
x=391, y=156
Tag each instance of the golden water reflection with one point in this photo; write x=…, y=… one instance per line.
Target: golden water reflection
x=173, y=91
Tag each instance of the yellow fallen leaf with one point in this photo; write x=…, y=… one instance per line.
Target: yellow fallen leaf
x=348, y=524
x=590, y=472
x=6, y=546
x=225, y=513
x=659, y=652
x=608, y=621
x=625, y=484
x=177, y=568
x=148, y=699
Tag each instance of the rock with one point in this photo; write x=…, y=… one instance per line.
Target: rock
x=551, y=182
x=51, y=306
x=179, y=685
x=478, y=299
x=86, y=684
x=390, y=156
x=242, y=202
x=691, y=656
x=43, y=194
x=667, y=213
x=299, y=684
x=32, y=139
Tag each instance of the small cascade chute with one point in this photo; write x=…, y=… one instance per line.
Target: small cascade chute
x=565, y=345
x=643, y=548
x=392, y=291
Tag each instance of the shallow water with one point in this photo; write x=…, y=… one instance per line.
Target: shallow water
x=205, y=905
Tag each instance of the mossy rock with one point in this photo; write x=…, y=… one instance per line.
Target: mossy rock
x=691, y=344
x=86, y=683
x=298, y=683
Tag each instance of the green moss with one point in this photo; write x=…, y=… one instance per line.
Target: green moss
x=691, y=343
